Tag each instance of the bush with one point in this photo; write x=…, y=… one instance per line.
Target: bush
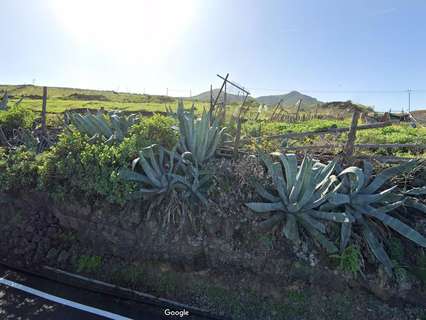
x=76, y=166
x=157, y=129
x=18, y=170
x=14, y=118
x=81, y=168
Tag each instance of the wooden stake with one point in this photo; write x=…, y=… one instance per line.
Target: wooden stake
x=349, y=147
x=299, y=103
x=238, y=133
x=43, y=112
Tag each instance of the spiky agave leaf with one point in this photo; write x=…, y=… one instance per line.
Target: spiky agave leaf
x=362, y=198
x=201, y=136
x=297, y=193
x=110, y=127
x=164, y=171
x=155, y=177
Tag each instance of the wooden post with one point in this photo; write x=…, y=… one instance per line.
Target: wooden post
x=349, y=147
x=224, y=95
x=238, y=133
x=218, y=95
x=3, y=138
x=276, y=108
x=299, y=103
x=43, y=112
x=211, y=97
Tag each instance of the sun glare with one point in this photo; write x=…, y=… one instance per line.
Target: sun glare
x=126, y=30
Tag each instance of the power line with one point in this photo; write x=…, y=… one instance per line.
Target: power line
x=343, y=91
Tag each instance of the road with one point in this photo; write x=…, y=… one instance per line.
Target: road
x=23, y=297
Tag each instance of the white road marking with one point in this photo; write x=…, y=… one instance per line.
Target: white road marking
x=65, y=302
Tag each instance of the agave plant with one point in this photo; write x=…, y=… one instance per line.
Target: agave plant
x=193, y=178
x=366, y=203
x=111, y=127
x=163, y=174
x=296, y=195
x=200, y=137
x=4, y=101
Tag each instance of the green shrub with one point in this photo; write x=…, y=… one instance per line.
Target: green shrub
x=18, y=170
x=157, y=129
x=14, y=118
x=76, y=166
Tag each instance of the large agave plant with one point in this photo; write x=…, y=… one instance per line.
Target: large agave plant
x=162, y=172
x=296, y=195
x=112, y=127
x=366, y=203
x=201, y=137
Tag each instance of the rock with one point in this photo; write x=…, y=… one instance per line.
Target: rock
x=63, y=257
x=52, y=254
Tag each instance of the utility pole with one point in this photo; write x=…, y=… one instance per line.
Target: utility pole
x=167, y=91
x=409, y=100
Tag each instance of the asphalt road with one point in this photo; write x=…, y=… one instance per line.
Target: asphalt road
x=27, y=297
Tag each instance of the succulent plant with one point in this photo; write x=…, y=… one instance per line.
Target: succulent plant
x=157, y=177
x=201, y=136
x=363, y=199
x=297, y=194
x=110, y=127
x=164, y=173
x=4, y=101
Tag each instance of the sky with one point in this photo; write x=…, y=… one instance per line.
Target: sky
x=370, y=52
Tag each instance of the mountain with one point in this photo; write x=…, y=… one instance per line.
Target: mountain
x=289, y=99
x=230, y=98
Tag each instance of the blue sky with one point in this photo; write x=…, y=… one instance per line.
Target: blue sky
x=367, y=51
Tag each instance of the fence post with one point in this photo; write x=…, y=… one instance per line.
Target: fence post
x=43, y=112
x=241, y=112
x=349, y=147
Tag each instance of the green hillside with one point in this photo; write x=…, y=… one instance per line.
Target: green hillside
x=288, y=99
x=62, y=99
x=36, y=92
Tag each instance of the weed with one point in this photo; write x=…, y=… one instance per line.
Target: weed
x=89, y=264
x=350, y=260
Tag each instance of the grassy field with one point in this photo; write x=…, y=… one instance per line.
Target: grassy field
x=62, y=99
x=60, y=105
x=30, y=91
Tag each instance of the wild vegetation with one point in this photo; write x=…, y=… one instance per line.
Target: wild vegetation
x=353, y=213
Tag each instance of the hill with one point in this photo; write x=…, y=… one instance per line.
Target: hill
x=30, y=91
x=289, y=99
x=230, y=98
